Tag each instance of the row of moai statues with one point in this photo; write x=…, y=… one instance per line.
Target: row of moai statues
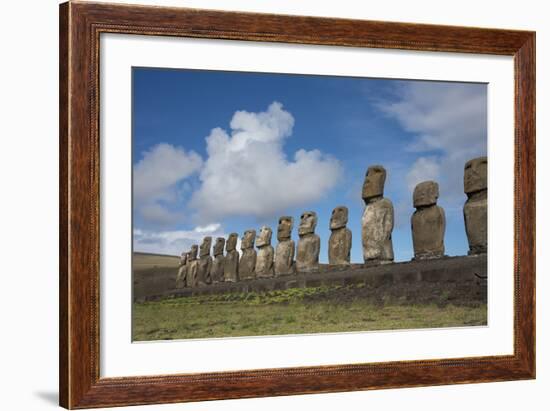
x=427, y=226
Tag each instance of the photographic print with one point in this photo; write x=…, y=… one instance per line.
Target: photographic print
x=276, y=204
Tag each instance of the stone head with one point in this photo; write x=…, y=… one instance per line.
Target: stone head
x=475, y=175
x=183, y=258
x=284, y=230
x=425, y=194
x=218, y=245
x=231, y=243
x=308, y=222
x=193, y=252
x=264, y=237
x=373, y=185
x=205, y=246
x=339, y=217
x=248, y=239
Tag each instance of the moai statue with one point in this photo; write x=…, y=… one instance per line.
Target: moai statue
x=377, y=220
x=475, y=208
x=427, y=222
x=339, y=244
x=309, y=244
x=192, y=266
x=284, y=253
x=181, y=278
x=264, y=261
x=216, y=272
x=205, y=262
x=231, y=260
x=247, y=262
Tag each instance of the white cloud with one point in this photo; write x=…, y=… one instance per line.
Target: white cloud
x=248, y=173
x=450, y=122
x=173, y=242
x=155, y=178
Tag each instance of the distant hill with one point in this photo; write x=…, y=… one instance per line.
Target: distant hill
x=147, y=260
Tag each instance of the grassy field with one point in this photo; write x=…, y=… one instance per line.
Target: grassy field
x=292, y=311
x=142, y=261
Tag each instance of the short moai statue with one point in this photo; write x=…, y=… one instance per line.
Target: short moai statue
x=377, y=220
x=205, y=262
x=284, y=253
x=216, y=272
x=181, y=277
x=231, y=259
x=247, y=262
x=309, y=244
x=427, y=222
x=339, y=243
x=192, y=266
x=264, y=260
x=475, y=208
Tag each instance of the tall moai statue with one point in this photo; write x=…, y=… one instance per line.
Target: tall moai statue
x=264, y=261
x=475, y=208
x=339, y=243
x=427, y=222
x=181, y=277
x=309, y=244
x=247, y=262
x=231, y=260
x=192, y=266
x=377, y=220
x=216, y=272
x=284, y=253
x=205, y=262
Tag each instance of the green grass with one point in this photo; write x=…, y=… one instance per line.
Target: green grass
x=292, y=311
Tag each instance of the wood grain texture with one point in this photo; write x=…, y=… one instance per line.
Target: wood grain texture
x=80, y=27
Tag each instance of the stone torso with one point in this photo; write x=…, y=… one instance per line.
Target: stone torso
x=203, y=273
x=428, y=230
x=231, y=266
x=247, y=264
x=377, y=226
x=181, y=278
x=264, y=262
x=475, y=219
x=192, y=273
x=307, y=256
x=284, y=258
x=339, y=247
x=216, y=272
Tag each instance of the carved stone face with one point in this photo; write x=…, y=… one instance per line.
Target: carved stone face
x=205, y=246
x=193, y=253
x=339, y=217
x=475, y=175
x=284, y=230
x=231, y=243
x=183, y=258
x=374, y=182
x=308, y=222
x=248, y=239
x=426, y=194
x=218, y=245
x=264, y=237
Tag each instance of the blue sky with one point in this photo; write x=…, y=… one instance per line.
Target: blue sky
x=220, y=152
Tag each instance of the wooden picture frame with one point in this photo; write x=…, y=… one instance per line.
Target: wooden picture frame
x=80, y=27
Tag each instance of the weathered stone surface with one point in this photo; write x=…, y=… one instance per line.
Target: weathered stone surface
x=284, y=253
x=181, y=277
x=339, y=244
x=377, y=219
x=247, y=262
x=205, y=262
x=309, y=244
x=216, y=272
x=475, y=208
x=193, y=266
x=264, y=261
x=427, y=222
x=231, y=260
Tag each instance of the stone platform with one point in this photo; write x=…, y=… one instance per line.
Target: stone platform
x=460, y=279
